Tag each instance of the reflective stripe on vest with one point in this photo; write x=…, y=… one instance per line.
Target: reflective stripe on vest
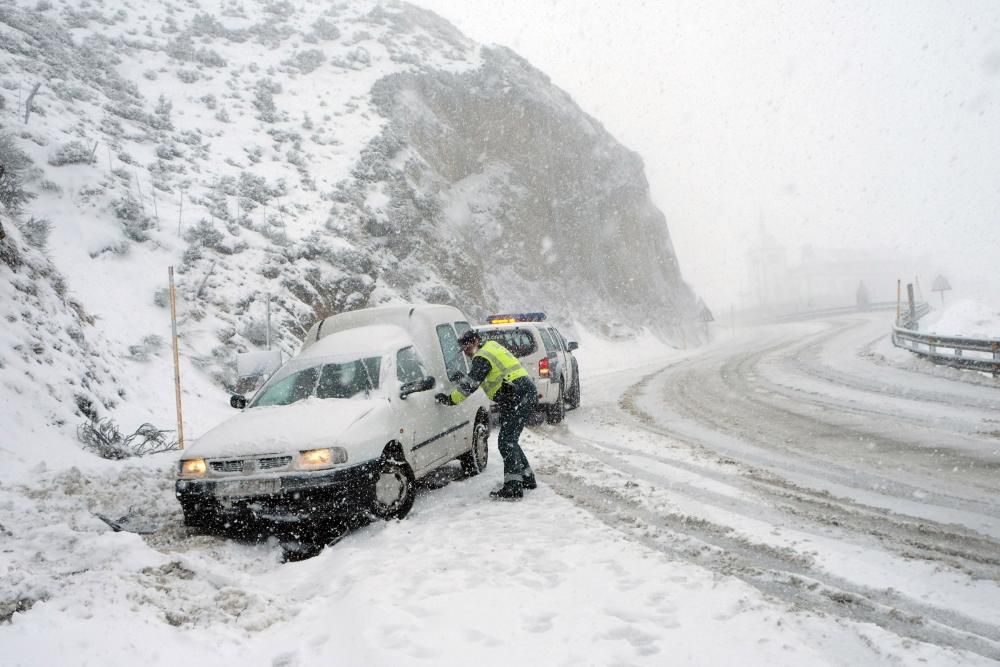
x=504, y=367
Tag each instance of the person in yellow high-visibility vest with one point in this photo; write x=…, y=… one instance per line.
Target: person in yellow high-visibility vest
x=505, y=381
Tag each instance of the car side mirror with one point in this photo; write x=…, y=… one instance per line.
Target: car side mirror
x=423, y=384
x=237, y=401
x=572, y=345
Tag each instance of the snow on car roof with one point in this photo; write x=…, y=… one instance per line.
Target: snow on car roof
x=374, y=339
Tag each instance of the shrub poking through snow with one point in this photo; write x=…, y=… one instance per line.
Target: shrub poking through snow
x=36, y=231
x=106, y=440
x=16, y=165
x=73, y=152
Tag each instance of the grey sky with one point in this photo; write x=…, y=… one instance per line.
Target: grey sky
x=838, y=124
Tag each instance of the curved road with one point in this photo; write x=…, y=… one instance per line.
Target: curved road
x=799, y=459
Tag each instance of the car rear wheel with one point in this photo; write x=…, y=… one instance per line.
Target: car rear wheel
x=474, y=461
x=573, y=400
x=394, y=489
x=558, y=409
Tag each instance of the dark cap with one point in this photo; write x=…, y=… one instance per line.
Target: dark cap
x=468, y=337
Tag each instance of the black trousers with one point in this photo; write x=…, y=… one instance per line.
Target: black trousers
x=517, y=402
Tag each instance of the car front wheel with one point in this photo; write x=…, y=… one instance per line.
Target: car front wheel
x=474, y=461
x=394, y=489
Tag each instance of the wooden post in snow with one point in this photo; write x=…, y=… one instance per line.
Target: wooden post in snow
x=27, y=103
x=899, y=288
x=177, y=361
x=180, y=213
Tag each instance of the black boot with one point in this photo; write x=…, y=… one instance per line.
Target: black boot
x=511, y=490
x=529, y=482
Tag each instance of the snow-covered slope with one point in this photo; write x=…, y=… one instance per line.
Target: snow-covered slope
x=332, y=156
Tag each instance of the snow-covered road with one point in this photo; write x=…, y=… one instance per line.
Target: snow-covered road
x=802, y=494
x=803, y=462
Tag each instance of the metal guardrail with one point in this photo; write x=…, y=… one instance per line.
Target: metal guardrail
x=831, y=312
x=982, y=354
x=908, y=321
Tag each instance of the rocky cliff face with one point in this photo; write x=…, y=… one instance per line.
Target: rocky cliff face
x=521, y=201
x=331, y=156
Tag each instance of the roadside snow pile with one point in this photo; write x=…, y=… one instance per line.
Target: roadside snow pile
x=967, y=318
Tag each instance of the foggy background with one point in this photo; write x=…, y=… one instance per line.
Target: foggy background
x=847, y=131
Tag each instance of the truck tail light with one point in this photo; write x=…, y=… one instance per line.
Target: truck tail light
x=543, y=368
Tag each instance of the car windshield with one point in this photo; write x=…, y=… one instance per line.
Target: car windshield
x=344, y=379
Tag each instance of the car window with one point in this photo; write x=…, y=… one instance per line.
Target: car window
x=520, y=342
x=454, y=360
x=550, y=345
x=408, y=366
x=461, y=328
x=293, y=388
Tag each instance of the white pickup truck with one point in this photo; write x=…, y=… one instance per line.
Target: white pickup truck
x=545, y=354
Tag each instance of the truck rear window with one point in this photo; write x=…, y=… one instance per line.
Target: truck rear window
x=520, y=342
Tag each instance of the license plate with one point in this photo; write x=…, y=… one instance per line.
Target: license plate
x=247, y=487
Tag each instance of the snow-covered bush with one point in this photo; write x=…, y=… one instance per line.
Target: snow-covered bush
x=72, y=152
x=182, y=48
x=324, y=29
x=134, y=220
x=306, y=61
x=161, y=115
x=263, y=100
x=281, y=9
x=16, y=165
x=204, y=234
x=254, y=188
x=254, y=153
x=150, y=345
x=206, y=24
x=168, y=151
x=36, y=231
x=188, y=75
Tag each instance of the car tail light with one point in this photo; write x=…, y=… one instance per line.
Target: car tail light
x=543, y=368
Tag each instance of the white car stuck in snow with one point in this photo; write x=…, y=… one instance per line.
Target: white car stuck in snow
x=344, y=427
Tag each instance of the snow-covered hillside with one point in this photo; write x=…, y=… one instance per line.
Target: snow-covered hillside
x=330, y=155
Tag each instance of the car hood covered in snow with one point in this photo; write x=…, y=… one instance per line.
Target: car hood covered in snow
x=304, y=425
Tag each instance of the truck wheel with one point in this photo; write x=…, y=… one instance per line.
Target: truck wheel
x=573, y=400
x=474, y=461
x=394, y=489
x=558, y=409
x=200, y=519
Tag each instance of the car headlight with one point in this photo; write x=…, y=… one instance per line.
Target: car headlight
x=192, y=468
x=322, y=458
